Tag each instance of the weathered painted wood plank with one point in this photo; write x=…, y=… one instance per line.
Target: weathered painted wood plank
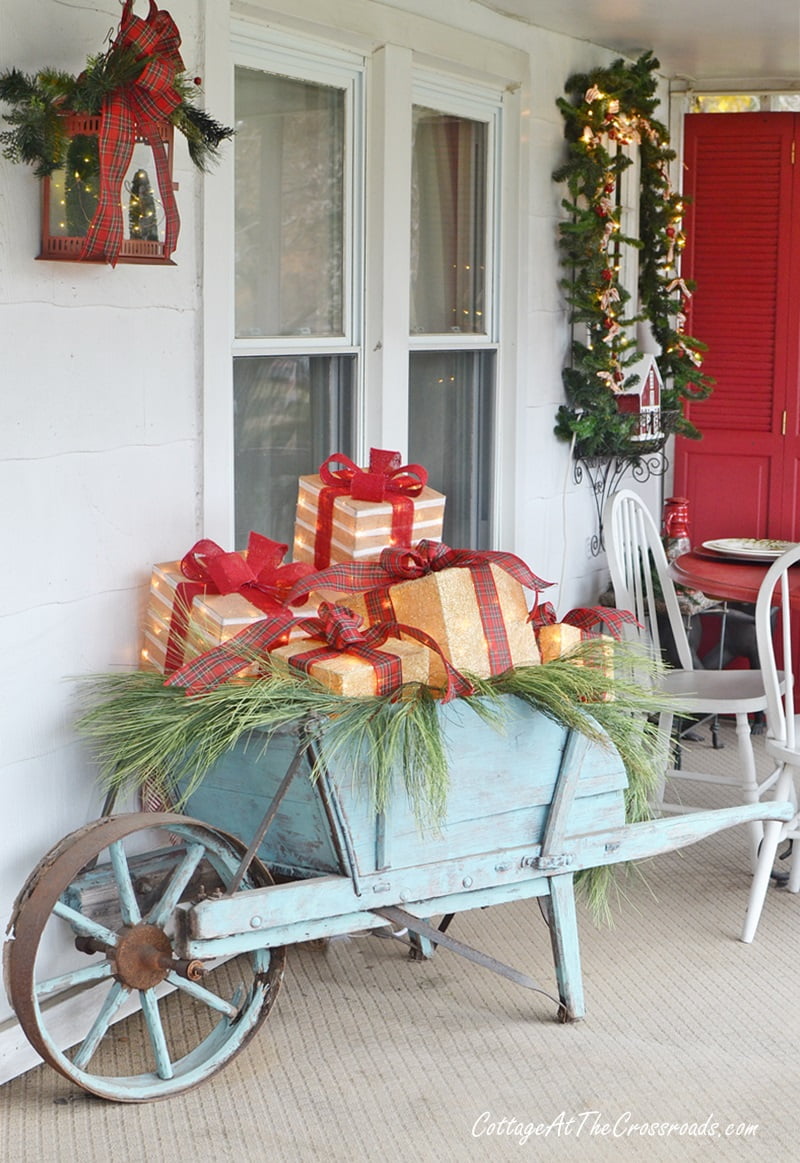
x=566, y=946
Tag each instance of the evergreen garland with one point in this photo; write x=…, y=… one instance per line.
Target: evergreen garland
x=611, y=108
x=38, y=101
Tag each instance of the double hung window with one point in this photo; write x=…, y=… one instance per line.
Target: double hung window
x=317, y=367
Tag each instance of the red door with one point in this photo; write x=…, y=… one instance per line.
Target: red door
x=743, y=251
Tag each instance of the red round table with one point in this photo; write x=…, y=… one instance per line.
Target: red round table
x=726, y=578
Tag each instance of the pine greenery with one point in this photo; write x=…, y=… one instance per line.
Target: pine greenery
x=609, y=110
x=38, y=101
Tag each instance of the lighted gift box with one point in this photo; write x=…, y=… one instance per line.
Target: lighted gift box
x=360, y=529
x=164, y=582
x=348, y=674
x=204, y=620
x=445, y=605
x=560, y=638
x=218, y=617
x=211, y=620
x=153, y=653
x=557, y=640
x=164, y=595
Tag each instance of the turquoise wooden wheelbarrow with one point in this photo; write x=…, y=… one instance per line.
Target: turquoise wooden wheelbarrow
x=183, y=920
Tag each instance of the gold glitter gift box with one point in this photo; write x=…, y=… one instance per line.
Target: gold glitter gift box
x=557, y=640
x=560, y=638
x=445, y=605
x=348, y=674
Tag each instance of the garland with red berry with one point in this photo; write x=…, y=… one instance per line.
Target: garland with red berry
x=611, y=109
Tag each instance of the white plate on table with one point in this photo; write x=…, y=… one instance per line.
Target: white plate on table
x=757, y=548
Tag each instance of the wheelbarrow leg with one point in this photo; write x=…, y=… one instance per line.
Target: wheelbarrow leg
x=566, y=950
x=423, y=948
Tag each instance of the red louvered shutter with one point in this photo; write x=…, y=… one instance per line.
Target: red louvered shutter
x=742, y=477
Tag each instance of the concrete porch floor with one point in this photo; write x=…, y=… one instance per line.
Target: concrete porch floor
x=367, y=1056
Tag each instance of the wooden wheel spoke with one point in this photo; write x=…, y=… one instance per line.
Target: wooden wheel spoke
x=115, y=999
x=83, y=924
x=162, y=910
x=155, y=1029
x=89, y=975
x=213, y=1000
x=131, y=913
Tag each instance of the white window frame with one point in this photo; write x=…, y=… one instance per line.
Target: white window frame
x=475, y=103
x=253, y=48
x=377, y=325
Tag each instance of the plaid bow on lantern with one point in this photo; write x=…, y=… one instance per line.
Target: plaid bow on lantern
x=134, y=108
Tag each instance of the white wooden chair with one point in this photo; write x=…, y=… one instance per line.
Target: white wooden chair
x=783, y=730
x=642, y=584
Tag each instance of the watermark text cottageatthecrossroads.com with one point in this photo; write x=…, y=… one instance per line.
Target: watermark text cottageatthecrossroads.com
x=594, y=1124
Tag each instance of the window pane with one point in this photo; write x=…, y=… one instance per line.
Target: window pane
x=726, y=103
x=448, y=223
x=289, y=206
x=290, y=413
x=451, y=433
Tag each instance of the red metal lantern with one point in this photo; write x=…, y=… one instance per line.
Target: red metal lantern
x=70, y=195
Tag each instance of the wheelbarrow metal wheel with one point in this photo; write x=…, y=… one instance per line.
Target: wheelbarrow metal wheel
x=188, y=1019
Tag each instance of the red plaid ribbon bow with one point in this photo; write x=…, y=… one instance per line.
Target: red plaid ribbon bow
x=260, y=578
x=385, y=479
x=338, y=626
x=428, y=557
x=138, y=106
x=585, y=619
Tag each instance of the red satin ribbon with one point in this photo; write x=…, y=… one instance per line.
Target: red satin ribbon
x=260, y=578
x=338, y=626
x=139, y=106
x=385, y=480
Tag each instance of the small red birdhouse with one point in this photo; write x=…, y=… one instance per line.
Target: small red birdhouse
x=643, y=400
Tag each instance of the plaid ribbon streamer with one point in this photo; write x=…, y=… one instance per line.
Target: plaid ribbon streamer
x=336, y=625
x=586, y=618
x=398, y=565
x=385, y=480
x=430, y=557
x=260, y=578
x=150, y=99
